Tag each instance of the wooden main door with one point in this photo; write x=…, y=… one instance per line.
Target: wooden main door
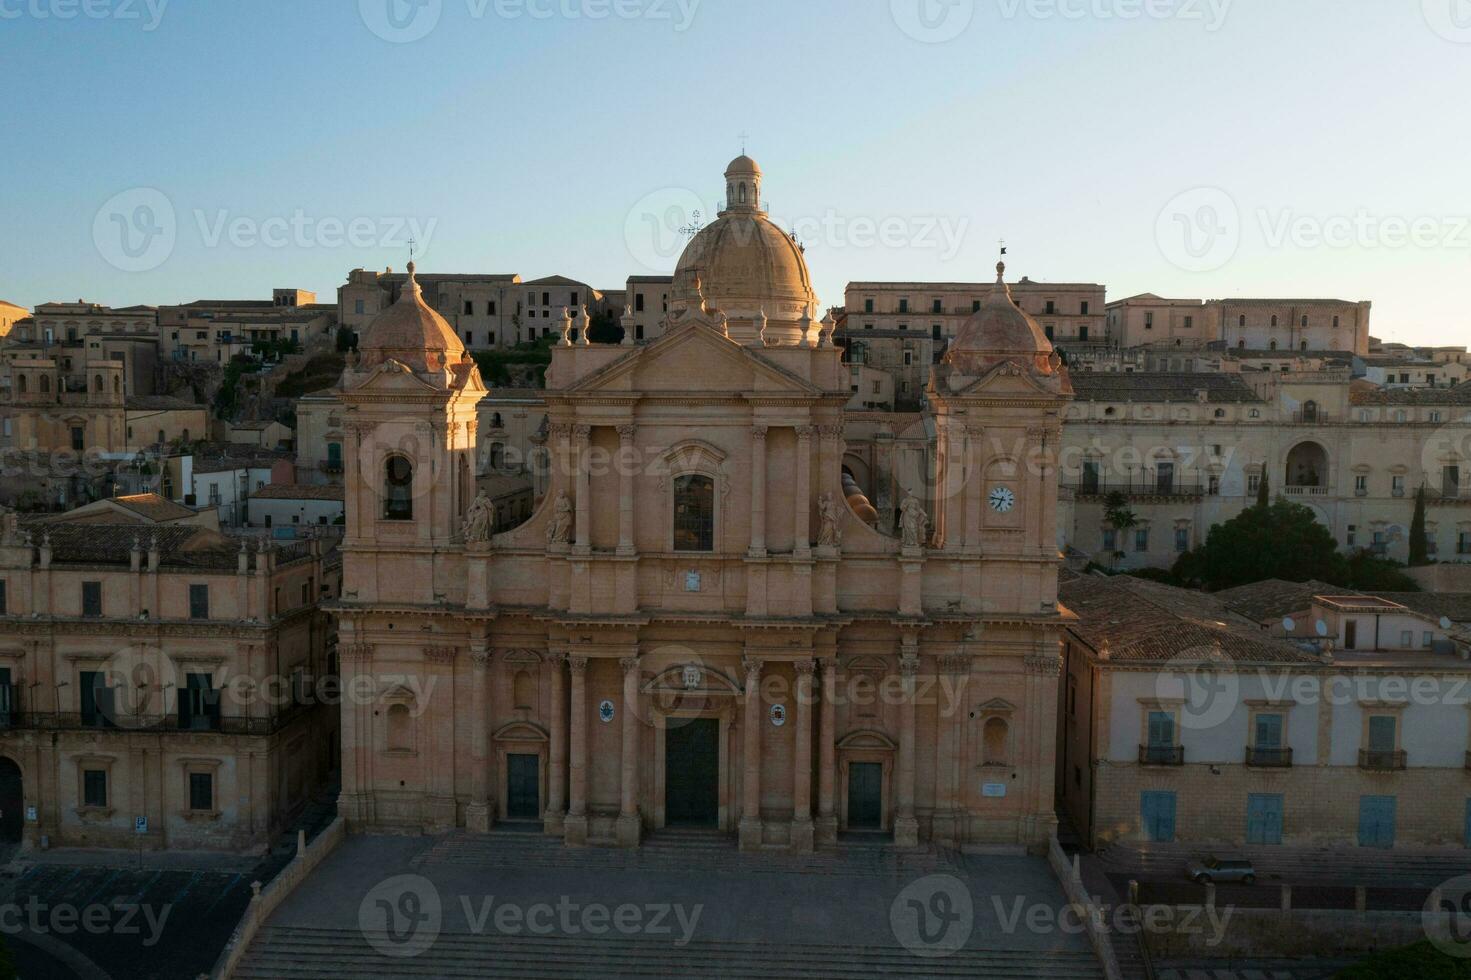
x=523, y=787
x=865, y=796
x=692, y=773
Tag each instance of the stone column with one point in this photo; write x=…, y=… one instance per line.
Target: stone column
x=906, y=827
x=356, y=737
x=750, y=827
x=827, y=752
x=625, y=488
x=758, y=491
x=802, y=826
x=478, y=816
x=583, y=434
x=629, y=824
x=974, y=487
x=803, y=491
x=948, y=822
x=576, y=828
x=556, y=815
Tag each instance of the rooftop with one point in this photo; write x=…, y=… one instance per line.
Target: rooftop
x=1458, y=395
x=1141, y=621
x=298, y=491
x=1270, y=600
x=1148, y=386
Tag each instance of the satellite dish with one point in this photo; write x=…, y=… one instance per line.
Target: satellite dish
x=1289, y=624
x=1322, y=628
x=1445, y=622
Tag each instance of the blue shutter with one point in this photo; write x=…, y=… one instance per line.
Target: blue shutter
x=1264, y=818
x=1376, y=821
x=1158, y=812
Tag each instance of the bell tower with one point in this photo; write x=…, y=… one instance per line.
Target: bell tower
x=409, y=400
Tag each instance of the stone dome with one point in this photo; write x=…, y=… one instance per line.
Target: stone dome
x=1000, y=331
x=743, y=266
x=410, y=332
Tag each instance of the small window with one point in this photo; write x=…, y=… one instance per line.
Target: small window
x=201, y=792
x=92, y=599
x=4, y=607
x=94, y=787
x=199, y=601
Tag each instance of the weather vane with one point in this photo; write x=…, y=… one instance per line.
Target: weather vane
x=1002, y=243
x=412, y=243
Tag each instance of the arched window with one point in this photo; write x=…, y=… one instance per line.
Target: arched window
x=743, y=192
x=398, y=489
x=45, y=384
x=1273, y=345
x=21, y=382
x=1274, y=319
x=1241, y=345
x=994, y=738
x=161, y=438
x=1304, y=320
x=184, y=436
x=400, y=729
x=495, y=421
x=1310, y=411
x=1243, y=320
x=97, y=384
x=694, y=513
x=497, y=455
x=1304, y=345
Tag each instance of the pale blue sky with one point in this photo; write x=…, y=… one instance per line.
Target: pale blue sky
x=538, y=145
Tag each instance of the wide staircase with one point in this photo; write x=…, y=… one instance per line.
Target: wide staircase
x=693, y=851
x=286, y=952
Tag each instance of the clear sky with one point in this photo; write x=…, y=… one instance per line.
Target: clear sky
x=161, y=151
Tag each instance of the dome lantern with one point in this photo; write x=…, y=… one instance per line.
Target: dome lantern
x=743, y=185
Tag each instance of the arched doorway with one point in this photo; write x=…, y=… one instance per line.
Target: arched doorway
x=1307, y=465
x=12, y=802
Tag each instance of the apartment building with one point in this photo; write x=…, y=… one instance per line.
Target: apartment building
x=160, y=685
x=214, y=331
x=1183, y=720
x=1148, y=320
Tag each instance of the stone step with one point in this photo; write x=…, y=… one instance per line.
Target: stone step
x=331, y=953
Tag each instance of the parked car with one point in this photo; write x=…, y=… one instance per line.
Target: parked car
x=1220, y=869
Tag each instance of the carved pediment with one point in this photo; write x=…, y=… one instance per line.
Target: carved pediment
x=995, y=706
x=399, y=694
x=692, y=679
x=693, y=351
x=868, y=738
x=394, y=376
x=520, y=731
x=868, y=664
x=521, y=658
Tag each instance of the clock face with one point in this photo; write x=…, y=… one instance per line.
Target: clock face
x=1002, y=500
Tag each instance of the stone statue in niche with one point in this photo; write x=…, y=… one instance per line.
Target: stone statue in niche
x=913, y=521
x=477, y=520
x=560, y=527
x=828, y=534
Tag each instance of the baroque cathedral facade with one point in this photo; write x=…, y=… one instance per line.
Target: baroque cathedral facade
x=701, y=625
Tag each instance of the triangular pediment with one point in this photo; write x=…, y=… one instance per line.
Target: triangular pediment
x=694, y=355
x=1005, y=378
x=394, y=376
x=520, y=731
